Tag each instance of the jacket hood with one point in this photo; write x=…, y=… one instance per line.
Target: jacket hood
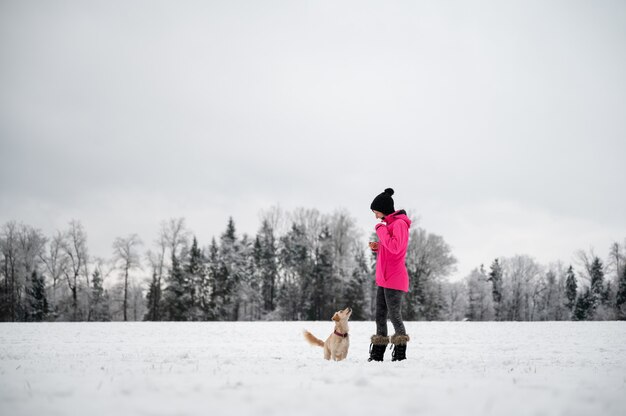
x=398, y=215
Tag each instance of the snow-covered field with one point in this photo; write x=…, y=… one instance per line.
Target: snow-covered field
x=266, y=368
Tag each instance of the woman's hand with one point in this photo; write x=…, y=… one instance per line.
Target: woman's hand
x=373, y=245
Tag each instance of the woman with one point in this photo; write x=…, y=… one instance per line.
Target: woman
x=392, y=278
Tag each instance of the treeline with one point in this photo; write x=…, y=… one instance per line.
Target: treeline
x=519, y=289
x=300, y=265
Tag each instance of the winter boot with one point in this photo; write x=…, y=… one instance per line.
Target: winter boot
x=378, y=347
x=399, y=347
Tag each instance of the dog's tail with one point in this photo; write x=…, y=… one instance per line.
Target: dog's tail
x=312, y=340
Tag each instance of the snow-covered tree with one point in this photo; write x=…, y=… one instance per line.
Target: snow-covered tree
x=455, y=294
x=176, y=296
x=548, y=303
x=195, y=270
x=210, y=290
x=249, y=294
x=356, y=294
x=571, y=288
x=294, y=254
x=429, y=259
x=521, y=287
x=480, y=300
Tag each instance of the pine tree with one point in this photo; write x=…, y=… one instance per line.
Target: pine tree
x=584, y=306
x=495, y=277
x=248, y=293
x=266, y=256
x=570, y=289
x=257, y=259
x=210, y=290
x=195, y=281
x=99, y=308
x=607, y=294
x=227, y=275
x=296, y=260
x=597, y=289
x=620, y=301
x=321, y=285
x=177, y=299
x=153, y=300
x=597, y=278
x=37, y=302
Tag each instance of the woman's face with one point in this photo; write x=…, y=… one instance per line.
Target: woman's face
x=379, y=215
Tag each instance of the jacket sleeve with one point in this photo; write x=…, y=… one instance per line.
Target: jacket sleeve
x=396, y=243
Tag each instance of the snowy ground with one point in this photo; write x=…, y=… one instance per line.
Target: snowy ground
x=266, y=368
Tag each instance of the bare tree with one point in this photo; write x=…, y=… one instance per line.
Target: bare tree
x=345, y=240
x=521, y=286
x=10, y=260
x=157, y=264
x=479, y=299
x=55, y=262
x=99, y=307
x=173, y=236
x=456, y=300
x=31, y=243
x=177, y=236
x=311, y=221
x=617, y=260
x=8, y=246
x=585, y=259
x=21, y=247
x=276, y=219
x=126, y=257
x=137, y=305
x=75, y=250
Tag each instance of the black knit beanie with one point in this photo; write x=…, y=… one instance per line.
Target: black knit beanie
x=384, y=202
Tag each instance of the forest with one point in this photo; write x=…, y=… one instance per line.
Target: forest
x=300, y=265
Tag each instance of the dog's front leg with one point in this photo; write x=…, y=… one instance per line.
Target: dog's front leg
x=326, y=351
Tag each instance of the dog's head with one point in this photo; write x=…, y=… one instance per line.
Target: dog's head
x=342, y=315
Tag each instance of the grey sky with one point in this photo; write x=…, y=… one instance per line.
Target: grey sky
x=501, y=124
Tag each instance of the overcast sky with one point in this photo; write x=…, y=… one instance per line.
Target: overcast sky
x=500, y=124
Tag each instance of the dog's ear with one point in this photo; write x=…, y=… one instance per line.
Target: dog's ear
x=336, y=317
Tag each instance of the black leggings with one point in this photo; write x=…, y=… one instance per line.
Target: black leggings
x=388, y=303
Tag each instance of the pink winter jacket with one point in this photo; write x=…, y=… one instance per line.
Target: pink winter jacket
x=393, y=240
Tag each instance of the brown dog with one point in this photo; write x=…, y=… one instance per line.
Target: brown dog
x=337, y=344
